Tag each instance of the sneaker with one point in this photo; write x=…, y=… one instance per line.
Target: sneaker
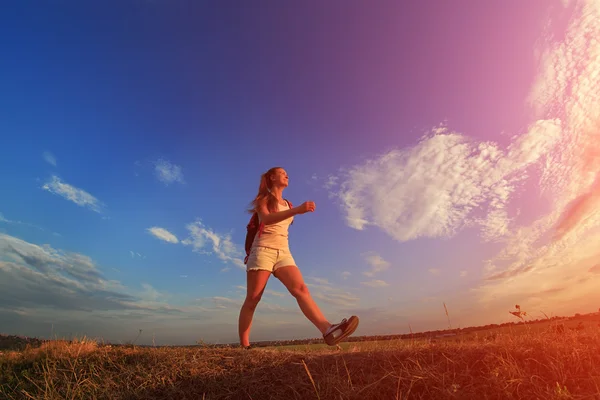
x=338, y=332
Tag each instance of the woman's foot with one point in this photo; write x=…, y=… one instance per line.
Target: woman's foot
x=338, y=332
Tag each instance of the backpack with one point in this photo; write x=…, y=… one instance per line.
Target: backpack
x=253, y=228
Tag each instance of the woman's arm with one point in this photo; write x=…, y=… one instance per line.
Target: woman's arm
x=269, y=218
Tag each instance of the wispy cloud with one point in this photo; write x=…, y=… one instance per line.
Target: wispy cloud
x=571, y=91
x=375, y=283
x=322, y=281
x=578, y=209
x=150, y=293
x=49, y=158
x=338, y=298
x=226, y=302
x=434, y=271
x=330, y=182
x=376, y=264
x=44, y=277
x=555, y=250
x=322, y=290
x=326, y=182
x=5, y=220
x=595, y=269
x=78, y=196
x=204, y=240
x=346, y=275
x=463, y=273
x=163, y=234
x=434, y=188
x=167, y=172
x=135, y=255
x=274, y=293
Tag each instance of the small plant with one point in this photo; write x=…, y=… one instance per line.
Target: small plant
x=137, y=337
x=519, y=314
x=447, y=316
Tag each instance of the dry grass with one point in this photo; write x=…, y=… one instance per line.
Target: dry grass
x=532, y=366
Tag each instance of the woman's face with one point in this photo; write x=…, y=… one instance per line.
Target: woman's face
x=280, y=178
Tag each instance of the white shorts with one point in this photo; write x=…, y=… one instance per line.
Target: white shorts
x=268, y=259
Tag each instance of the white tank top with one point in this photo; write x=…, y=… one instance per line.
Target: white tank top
x=275, y=236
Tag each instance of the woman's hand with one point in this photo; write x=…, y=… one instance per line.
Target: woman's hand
x=307, y=206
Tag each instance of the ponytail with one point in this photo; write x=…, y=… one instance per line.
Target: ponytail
x=264, y=193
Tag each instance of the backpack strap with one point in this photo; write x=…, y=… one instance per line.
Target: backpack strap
x=289, y=203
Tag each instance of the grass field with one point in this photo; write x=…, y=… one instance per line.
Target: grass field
x=527, y=363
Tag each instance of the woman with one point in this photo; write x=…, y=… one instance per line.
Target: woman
x=270, y=254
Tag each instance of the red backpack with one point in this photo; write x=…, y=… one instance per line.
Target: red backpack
x=253, y=228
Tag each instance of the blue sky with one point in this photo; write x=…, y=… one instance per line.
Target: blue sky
x=441, y=143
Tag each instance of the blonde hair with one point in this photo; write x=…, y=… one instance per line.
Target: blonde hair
x=264, y=193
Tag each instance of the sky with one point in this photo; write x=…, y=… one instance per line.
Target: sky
x=452, y=150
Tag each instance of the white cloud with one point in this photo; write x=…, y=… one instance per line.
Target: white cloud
x=41, y=276
x=346, y=275
x=568, y=87
x=225, y=302
x=336, y=297
x=321, y=289
x=560, y=271
x=322, y=281
x=163, y=234
x=78, y=196
x=167, y=172
x=49, y=158
x=463, y=273
x=376, y=264
x=136, y=255
x=202, y=237
x=273, y=293
x=434, y=271
x=326, y=182
x=330, y=182
x=552, y=258
x=5, y=220
x=151, y=294
x=375, y=283
x=442, y=184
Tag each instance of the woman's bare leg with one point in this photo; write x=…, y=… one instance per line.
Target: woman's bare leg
x=256, y=283
x=291, y=277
